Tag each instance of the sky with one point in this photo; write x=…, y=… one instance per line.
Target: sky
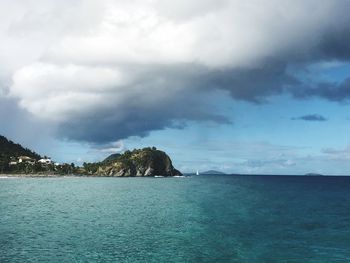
x=254, y=87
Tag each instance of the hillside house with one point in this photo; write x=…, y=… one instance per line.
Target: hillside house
x=45, y=161
x=26, y=159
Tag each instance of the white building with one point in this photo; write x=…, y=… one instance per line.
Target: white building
x=26, y=159
x=45, y=161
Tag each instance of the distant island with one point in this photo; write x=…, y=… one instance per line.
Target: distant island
x=313, y=174
x=17, y=160
x=213, y=172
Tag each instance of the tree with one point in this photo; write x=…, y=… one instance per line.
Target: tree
x=4, y=164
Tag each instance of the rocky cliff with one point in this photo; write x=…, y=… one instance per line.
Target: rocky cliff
x=141, y=162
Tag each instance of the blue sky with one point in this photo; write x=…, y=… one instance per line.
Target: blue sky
x=229, y=85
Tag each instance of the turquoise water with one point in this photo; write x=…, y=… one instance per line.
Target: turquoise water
x=198, y=219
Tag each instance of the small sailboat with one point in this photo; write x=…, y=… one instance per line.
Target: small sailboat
x=197, y=173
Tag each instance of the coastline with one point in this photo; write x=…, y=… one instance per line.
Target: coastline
x=3, y=176
x=6, y=176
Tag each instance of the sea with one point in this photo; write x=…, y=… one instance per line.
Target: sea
x=217, y=218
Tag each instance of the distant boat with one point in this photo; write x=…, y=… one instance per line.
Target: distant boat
x=197, y=173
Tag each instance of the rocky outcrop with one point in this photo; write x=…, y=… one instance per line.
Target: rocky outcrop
x=143, y=162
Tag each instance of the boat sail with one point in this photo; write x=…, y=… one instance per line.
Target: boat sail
x=197, y=173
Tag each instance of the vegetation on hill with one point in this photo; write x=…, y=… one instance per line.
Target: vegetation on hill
x=112, y=157
x=39, y=169
x=9, y=161
x=139, y=162
x=9, y=149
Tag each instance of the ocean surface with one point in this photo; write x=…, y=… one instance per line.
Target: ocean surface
x=248, y=219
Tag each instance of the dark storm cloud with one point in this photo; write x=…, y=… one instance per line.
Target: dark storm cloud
x=13, y=119
x=253, y=85
x=137, y=122
x=335, y=43
x=20, y=126
x=138, y=115
x=311, y=117
x=329, y=91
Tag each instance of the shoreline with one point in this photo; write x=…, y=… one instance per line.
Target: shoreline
x=35, y=175
x=5, y=176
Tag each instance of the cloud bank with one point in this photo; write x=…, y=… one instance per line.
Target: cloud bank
x=311, y=117
x=106, y=70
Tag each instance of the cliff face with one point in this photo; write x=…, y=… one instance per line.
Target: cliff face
x=144, y=162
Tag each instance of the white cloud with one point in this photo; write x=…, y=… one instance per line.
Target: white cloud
x=113, y=147
x=228, y=33
x=337, y=154
x=57, y=92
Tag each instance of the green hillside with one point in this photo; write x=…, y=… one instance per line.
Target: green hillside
x=10, y=149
